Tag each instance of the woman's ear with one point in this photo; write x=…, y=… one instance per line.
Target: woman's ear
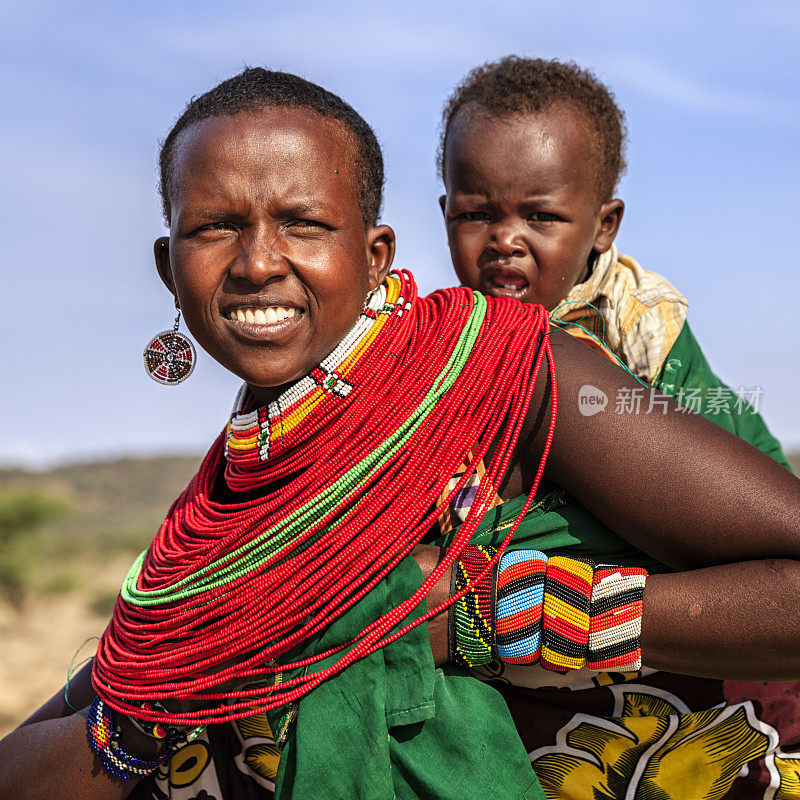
x=609, y=218
x=381, y=245
x=161, y=252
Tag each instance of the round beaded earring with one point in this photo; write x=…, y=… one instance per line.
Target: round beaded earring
x=169, y=357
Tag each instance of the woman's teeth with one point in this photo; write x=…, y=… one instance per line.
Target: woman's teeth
x=263, y=316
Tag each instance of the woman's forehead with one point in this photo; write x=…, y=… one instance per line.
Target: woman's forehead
x=288, y=145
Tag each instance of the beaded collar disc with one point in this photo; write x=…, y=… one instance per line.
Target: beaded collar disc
x=350, y=464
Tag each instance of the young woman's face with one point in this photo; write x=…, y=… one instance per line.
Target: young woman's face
x=522, y=209
x=268, y=254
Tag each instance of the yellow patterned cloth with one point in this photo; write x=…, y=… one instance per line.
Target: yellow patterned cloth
x=638, y=314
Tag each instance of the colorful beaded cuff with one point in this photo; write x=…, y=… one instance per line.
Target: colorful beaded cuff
x=104, y=738
x=518, y=612
x=565, y=613
x=616, y=619
x=473, y=624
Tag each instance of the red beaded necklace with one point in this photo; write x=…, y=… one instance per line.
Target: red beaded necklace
x=360, y=451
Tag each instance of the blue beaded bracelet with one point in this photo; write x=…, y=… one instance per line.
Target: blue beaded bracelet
x=104, y=739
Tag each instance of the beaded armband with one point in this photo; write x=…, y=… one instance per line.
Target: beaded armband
x=616, y=619
x=472, y=617
x=565, y=613
x=103, y=733
x=518, y=613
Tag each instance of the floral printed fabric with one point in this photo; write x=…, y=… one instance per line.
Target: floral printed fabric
x=657, y=736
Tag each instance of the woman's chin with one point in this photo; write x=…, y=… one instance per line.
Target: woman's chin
x=265, y=390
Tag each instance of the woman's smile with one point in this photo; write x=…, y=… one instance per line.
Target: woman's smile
x=264, y=322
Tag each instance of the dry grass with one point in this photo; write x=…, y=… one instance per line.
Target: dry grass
x=71, y=567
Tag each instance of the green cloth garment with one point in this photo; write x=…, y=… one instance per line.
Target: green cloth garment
x=393, y=726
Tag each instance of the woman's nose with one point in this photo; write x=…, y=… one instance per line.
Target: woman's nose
x=259, y=259
x=506, y=238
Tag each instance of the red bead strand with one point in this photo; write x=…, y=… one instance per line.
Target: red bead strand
x=280, y=598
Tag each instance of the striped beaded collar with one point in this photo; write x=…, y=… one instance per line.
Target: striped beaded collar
x=256, y=435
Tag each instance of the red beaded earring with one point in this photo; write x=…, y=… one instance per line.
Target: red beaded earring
x=169, y=357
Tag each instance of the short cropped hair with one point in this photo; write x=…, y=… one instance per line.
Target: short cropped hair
x=515, y=85
x=255, y=89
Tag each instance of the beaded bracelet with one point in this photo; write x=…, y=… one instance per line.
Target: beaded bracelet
x=565, y=613
x=616, y=619
x=518, y=613
x=472, y=618
x=103, y=734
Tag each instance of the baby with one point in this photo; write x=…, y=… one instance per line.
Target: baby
x=531, y=155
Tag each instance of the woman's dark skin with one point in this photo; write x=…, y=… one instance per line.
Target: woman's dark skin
x=712, y=499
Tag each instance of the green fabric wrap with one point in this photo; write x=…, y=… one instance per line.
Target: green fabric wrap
x=393, y=726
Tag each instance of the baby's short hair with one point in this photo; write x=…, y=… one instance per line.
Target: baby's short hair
x=255, y=89
x=515, y=85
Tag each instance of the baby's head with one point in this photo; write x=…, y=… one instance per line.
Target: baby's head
x=531, y=153
x=271, y=188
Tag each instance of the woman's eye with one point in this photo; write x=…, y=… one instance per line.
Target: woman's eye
x=473, y=216
x=217, y=226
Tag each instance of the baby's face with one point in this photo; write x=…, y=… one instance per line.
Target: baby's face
x=268, y=253
x=522, y=209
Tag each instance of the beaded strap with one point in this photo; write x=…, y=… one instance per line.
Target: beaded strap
x=518, y=613
x=616, y=619
x=473, y=624
x=155, y=730
x=565, y=613
x=104, y=738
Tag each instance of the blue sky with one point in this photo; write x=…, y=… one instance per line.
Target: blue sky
x=711, y=92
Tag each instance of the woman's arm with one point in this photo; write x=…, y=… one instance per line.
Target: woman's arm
x=53, y=743
x=690, y=494
x=672, y=484
x=737, y=621
x=715, y=623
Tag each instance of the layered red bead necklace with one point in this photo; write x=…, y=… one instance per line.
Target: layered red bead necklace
x=352, y=461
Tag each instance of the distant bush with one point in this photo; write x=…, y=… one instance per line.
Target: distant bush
x=21, y=514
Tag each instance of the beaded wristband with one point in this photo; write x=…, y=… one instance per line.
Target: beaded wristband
x=616, y=619
x=565, y=613
x=104, y=738
x=518, y=613
x=473, y=624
